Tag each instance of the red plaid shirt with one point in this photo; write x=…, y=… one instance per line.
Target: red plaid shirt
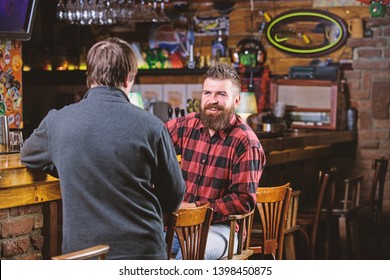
x=224, y=169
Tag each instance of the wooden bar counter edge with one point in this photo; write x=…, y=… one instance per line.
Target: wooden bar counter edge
x=22, y=186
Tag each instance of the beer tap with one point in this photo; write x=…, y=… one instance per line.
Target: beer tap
x=177, y=111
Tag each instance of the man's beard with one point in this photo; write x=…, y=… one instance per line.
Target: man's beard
x=216, y=122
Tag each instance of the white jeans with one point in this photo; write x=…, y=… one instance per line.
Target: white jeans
x=217, y=243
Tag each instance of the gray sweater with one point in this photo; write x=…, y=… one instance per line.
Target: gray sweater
x=118, y=173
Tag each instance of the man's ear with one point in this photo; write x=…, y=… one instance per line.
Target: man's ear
x=237, y=99
x=129, y=81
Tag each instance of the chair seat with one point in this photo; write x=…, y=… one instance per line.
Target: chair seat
x=245, y=254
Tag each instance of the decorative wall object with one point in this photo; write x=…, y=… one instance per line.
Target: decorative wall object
x=11, y=82
x=307, y=32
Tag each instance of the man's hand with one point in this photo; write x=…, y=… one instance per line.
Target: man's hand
x=185, y=205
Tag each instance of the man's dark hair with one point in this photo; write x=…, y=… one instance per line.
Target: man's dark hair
x=109, y=62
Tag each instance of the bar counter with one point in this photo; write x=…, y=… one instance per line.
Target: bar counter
x=300, y=145
x=21, y=187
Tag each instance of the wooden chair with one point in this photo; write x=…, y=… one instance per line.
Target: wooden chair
x=375, y=205
x=244, y=222
x=352, y=205
x=99, y=251
x=191, y=226
x=345, y=210
x=272, y=206
x=309, y=219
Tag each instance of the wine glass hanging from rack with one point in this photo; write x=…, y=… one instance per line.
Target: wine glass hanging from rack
x=108, y=12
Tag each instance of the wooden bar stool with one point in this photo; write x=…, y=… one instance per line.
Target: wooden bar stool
x=309, y=219
x=352, y=204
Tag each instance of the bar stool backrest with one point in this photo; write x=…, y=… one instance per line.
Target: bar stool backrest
x=272, y=205
x=98, y=251
x=310, y=219
x=378, y=183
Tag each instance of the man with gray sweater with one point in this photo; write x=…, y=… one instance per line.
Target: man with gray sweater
x=116, y=163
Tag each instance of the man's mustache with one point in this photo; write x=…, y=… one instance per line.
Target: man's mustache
x=213, y=106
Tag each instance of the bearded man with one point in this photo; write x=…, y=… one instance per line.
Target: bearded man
x=221, y=157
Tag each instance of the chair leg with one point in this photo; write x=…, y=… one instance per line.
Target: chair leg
x=313, y=242
x=307, y=241
x=373, y=235
x=354, y=237
x=379, y=234
x=289, y=247
x=343, y=237
x=369, y=235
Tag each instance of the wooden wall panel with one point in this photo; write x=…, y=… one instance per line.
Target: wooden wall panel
x=241, y=27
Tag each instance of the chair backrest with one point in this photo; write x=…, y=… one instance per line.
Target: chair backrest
x=292, y=227
x=99, y=251
x=351, y=196
x=378, y=183
x=292, y=212
x=272, y=205
x=191, y=226
x=376, y=202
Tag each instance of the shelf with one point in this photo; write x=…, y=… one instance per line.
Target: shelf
x=41, y=77
x=77, y=77
x=176, y=72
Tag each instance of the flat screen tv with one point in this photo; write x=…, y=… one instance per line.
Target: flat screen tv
x=16, y=19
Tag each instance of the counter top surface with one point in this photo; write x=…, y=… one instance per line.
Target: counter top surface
x=290, y=140
x=302, y=139
x=15, y=174
x=22, y=186
x=10, y=161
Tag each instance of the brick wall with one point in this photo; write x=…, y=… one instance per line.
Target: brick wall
x=369, y=87
x=20, y=230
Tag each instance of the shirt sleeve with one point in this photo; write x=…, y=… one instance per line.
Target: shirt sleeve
x=35, y=152
x=175, y=129
x=168, y=180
